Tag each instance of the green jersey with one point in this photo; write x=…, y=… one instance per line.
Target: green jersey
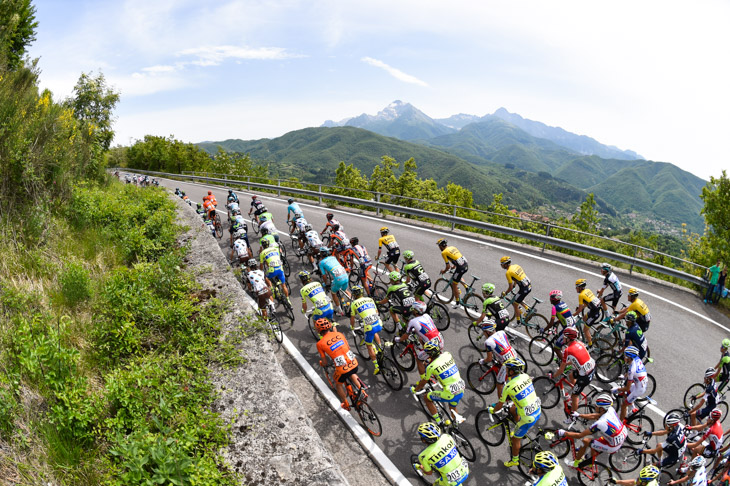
x=556, y=477
x=443, y=457
x=366, y=310
x=315, y=293
x=271, y=239
x=272, y=258
x=520, y=390
x=444, y=369
x=266, y=217
x=415, y=271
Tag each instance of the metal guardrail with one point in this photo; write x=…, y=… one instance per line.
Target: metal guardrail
x=454, y=220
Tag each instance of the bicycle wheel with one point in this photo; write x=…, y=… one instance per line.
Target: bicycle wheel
x=218, y=228
x=282, y=251
x=310, y=323
x=477, y=337
x=473, y=306
x=425, y=479
x=548, y=392
x=442, y=291
x=288, y=312
x=294, y=240
x=560, y=448
x=392, y=375
x=541, y=350
x=255, y=225
x=362, y=348
x=440, y=316
x=723, y=407
x=681, y=413
x=692, y=394
x=402, y=356
x=606, y=344
x=276, y=330
x=636, y=426
x=463, y=445
x=527, y=455
x=597, y=474
x=625, y=460
x=534, y=324
x=489, y=430
x=609, y=367
x=481, y=379
x=369, y=419
x=326, y=241
x=650, y=385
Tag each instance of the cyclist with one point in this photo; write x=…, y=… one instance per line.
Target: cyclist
x=425, y=330
x=391, y=246
x=643, y=317
x=546, y=466
x=295, y=212
x=210, y=197
x=209, y=208
x=672, y=449
x=577, y=356
x=238, y=229
x=711, y=441
x=647, y=477
x=515, y=277
x=334, y=345
x=441, y=456
x=313, y=292
x=314, y=243
x=273, y=239
x=560, y=314
x=610, y=280
x=612, y=430
x=241, y=250
x=493, y=309
x=498, y=349
x=331, y=221
x=341, y=245
x=257, y=206
x=366, y=263
x=301, y=228
x=209, y=224
x=587, y=300
x=367, y=311
x=260, y=286
x=400, y=297
x=635, y=336
x=199, y=209
x=696, y=473
x=271, y=262
x=708, y=402
x=444, y=370
x=453, y=257
x=723, y=366
x=233, y=210
x=525, y=404
x=636, y=380
x=232, y=197
x=330, y=268
x=414, y=271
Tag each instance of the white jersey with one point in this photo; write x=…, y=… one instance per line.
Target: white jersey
x=700, y=478
x=301, y=224
x=611, y=428
x=241, y=248
x=233, y=207
x=313, y=238
x=258, y=281
x=499, y=345
x=637, y=373
x=239, y=219
x=269, y=225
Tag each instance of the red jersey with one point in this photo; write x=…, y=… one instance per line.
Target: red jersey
x=578, y=356
x=334, y=344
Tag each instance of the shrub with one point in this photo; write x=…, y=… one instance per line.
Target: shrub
x=75, y=284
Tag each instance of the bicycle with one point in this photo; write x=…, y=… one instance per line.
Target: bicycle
x=389, y=370
x=611, y=368
x=696, y=391
x=404, y=353
x=283, y=300
x=311, y=317
x=358, y=401
x=451, y=427
x=482, y=378
x=590, y=471
x=272, y=323
x=550, y=391
x=469, y=299
x=534, y=323
x=218, y=226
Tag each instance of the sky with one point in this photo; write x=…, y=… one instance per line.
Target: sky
x=649, y=76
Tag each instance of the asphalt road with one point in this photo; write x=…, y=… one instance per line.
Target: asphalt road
x=684, y=336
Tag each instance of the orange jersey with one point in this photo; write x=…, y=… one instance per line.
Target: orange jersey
x=334, y=344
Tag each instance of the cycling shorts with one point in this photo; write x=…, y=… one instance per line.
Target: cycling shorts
x=643, y=324
x=370, y=335
x=400, y=309
x=262, y=300
x=393, y=256
x=445, y=396
x=601, y=445
x=422, y=287
x=526, y=423
x=636, y=391
x=363, y=269
x=340, y=283
x=459, y=272
x=612, y=298
x=501, y=324
x=593, y=316
x=703, y=413
x=341, y=375
x=277, y=274
x=670, y=457
x=326, y=311
x=709, y=450
x=581, y=382
x=522, y=293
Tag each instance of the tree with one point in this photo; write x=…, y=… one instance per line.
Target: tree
x=93, y=103
x=716, y=196
x=382, y=178
x=586, y=219
x=17, y=31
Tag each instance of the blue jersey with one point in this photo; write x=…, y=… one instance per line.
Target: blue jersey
x=331, y=266
x=295, y=209
x=635, y=337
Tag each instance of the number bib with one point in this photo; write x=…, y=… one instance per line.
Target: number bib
x=532, y=408
x=458, y=387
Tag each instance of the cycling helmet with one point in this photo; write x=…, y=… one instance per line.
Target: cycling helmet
x=505, y=260
x=581, y=282
x=254, y=196
x=716, y=413
x=182, y=192
x=324, y=251
x=264, y=231
x=515, y=364
x=354, y=241
x=384, y=230
x=230, y=191
x=408, y=254
x=697, y=462
x=265, y=243
x=606, y=267
x=710, y=372
x=308, y=227
x=394, y=276
x=210, y=193
x=290, y=200
x=322, y=325
x=432, y=347
x=357, y=291
x=649, y=473
x=252, y=263
x=604, y=400
x=672, y=419
x=633, y=292
x=304, y=277
x=726, y=343
x=330, y=216
x=200, y=205
x=177, y=189
x=556, y=295
x=631, y=352
x=419, y=307
x=429, y=432
x=263, y=218
x=570, y=333
x=631, y=316
x=488, y=288
x=489, y=325
x=545, y=460
x=442, y=243
x=335, y=227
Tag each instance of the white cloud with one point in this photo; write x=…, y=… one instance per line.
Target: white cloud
x=215, y=55
x=396, y=73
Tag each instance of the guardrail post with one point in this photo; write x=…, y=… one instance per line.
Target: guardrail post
x=225, y=184
x=248, y=181
x=453, y=223
x=278, y=185
x=377, y=199
x=631, y=267
x=547, y=233
x=320, y=194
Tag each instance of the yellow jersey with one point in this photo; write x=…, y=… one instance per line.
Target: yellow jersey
x=451, y=255
x=588, y=298
x=639, y=307
x=389, y=242
x=517, y=275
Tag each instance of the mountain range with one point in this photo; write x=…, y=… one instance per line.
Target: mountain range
x=501, y=152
